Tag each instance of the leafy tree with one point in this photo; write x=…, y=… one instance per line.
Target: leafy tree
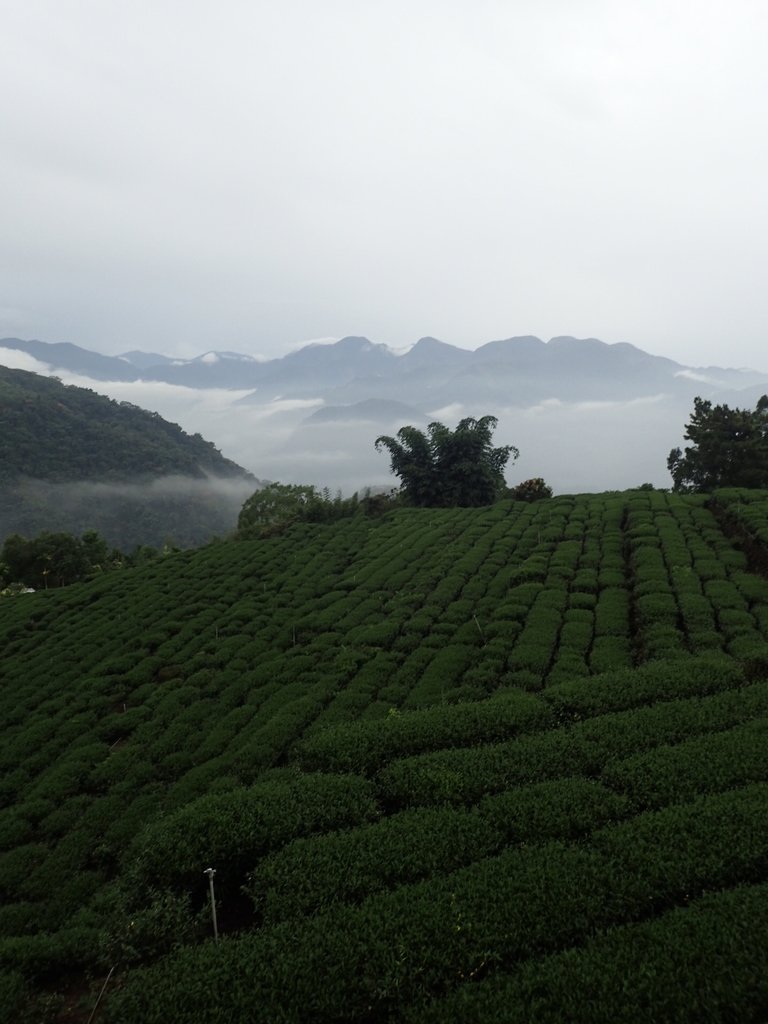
x=729, y=449
x=49, y=560
x=534, y=489
x=449, y=467
x=276, y=505
x=96, y=550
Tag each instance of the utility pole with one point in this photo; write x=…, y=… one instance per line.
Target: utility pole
x=211, y=872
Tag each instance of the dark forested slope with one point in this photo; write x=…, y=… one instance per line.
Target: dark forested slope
x=71, y=459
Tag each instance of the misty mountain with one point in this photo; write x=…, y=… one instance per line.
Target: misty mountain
x=518, y=370
x=585, y=415
x=64, y=356
x=375, y=411
x=141, y=360
x=72, y=460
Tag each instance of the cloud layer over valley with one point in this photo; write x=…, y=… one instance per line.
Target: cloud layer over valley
x=575, y=445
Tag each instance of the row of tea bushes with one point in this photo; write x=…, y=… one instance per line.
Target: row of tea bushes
x=309, y=875
x=464, y=775
x=230, y=830
x=558, y=633
x=376, y=959
x=690, y=588
x=365, y=746
x=703, y=764
x=597, y=595
x=655, y=681
x=748, y=509
x=699, y=963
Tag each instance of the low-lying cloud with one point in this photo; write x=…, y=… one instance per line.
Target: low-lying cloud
x=15, y=359
x=128, y=514
x=575, y=446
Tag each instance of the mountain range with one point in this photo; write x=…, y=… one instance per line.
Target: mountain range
x=515, y=370
x=585, y=414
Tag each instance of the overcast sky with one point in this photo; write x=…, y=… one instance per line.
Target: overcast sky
x=182, y=176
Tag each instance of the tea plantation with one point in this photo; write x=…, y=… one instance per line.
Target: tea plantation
x=455, y=765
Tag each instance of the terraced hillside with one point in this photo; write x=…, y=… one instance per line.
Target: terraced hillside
x=504, y=764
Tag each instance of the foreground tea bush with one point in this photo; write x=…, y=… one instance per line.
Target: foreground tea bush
x=703, y=764
x=229, y=830
x=617, y=691
x=369, y=961
x=309, y=875
x=366, y=746
x=585, y=748
x=699, y=964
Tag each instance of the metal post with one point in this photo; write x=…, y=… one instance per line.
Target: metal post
x=103, y=990
x=211, y=872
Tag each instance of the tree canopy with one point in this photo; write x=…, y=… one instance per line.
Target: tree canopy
x=55, y=559
x=276, y=505
x=535, y=489
x=729, y=448
x=444, y=467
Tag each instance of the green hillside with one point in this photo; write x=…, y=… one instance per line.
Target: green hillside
x=73, y=460
x=501, y=764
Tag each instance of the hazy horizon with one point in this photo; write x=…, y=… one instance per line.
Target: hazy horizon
x=575, y=446
x=400, y=349
x=181, y=178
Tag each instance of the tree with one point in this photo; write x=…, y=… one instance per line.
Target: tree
x=534, y=489
x=97, y=551
x=730, y=448
x=275, y=505
x=48, y=560
x=448, y=467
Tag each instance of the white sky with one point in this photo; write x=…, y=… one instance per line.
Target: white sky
x=182, y=176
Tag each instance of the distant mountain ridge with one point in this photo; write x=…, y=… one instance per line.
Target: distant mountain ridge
x=586, y=415
x=519, y=370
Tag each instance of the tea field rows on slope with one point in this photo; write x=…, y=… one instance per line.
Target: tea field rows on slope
x=432, y=757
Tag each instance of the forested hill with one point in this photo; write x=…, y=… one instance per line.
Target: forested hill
x=58, y=432
x=72, y=460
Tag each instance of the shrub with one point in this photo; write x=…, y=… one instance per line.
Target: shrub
x=609, y=654
x=703, y=764
x=373, y=961
x=560, y=809
x=465, y=776
x=530, y=490
x=698, y=962
x=46, y=956
x=616, y=691
x=310, y=875
x=228, y=831
x=13, y=995
x=366, y=746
